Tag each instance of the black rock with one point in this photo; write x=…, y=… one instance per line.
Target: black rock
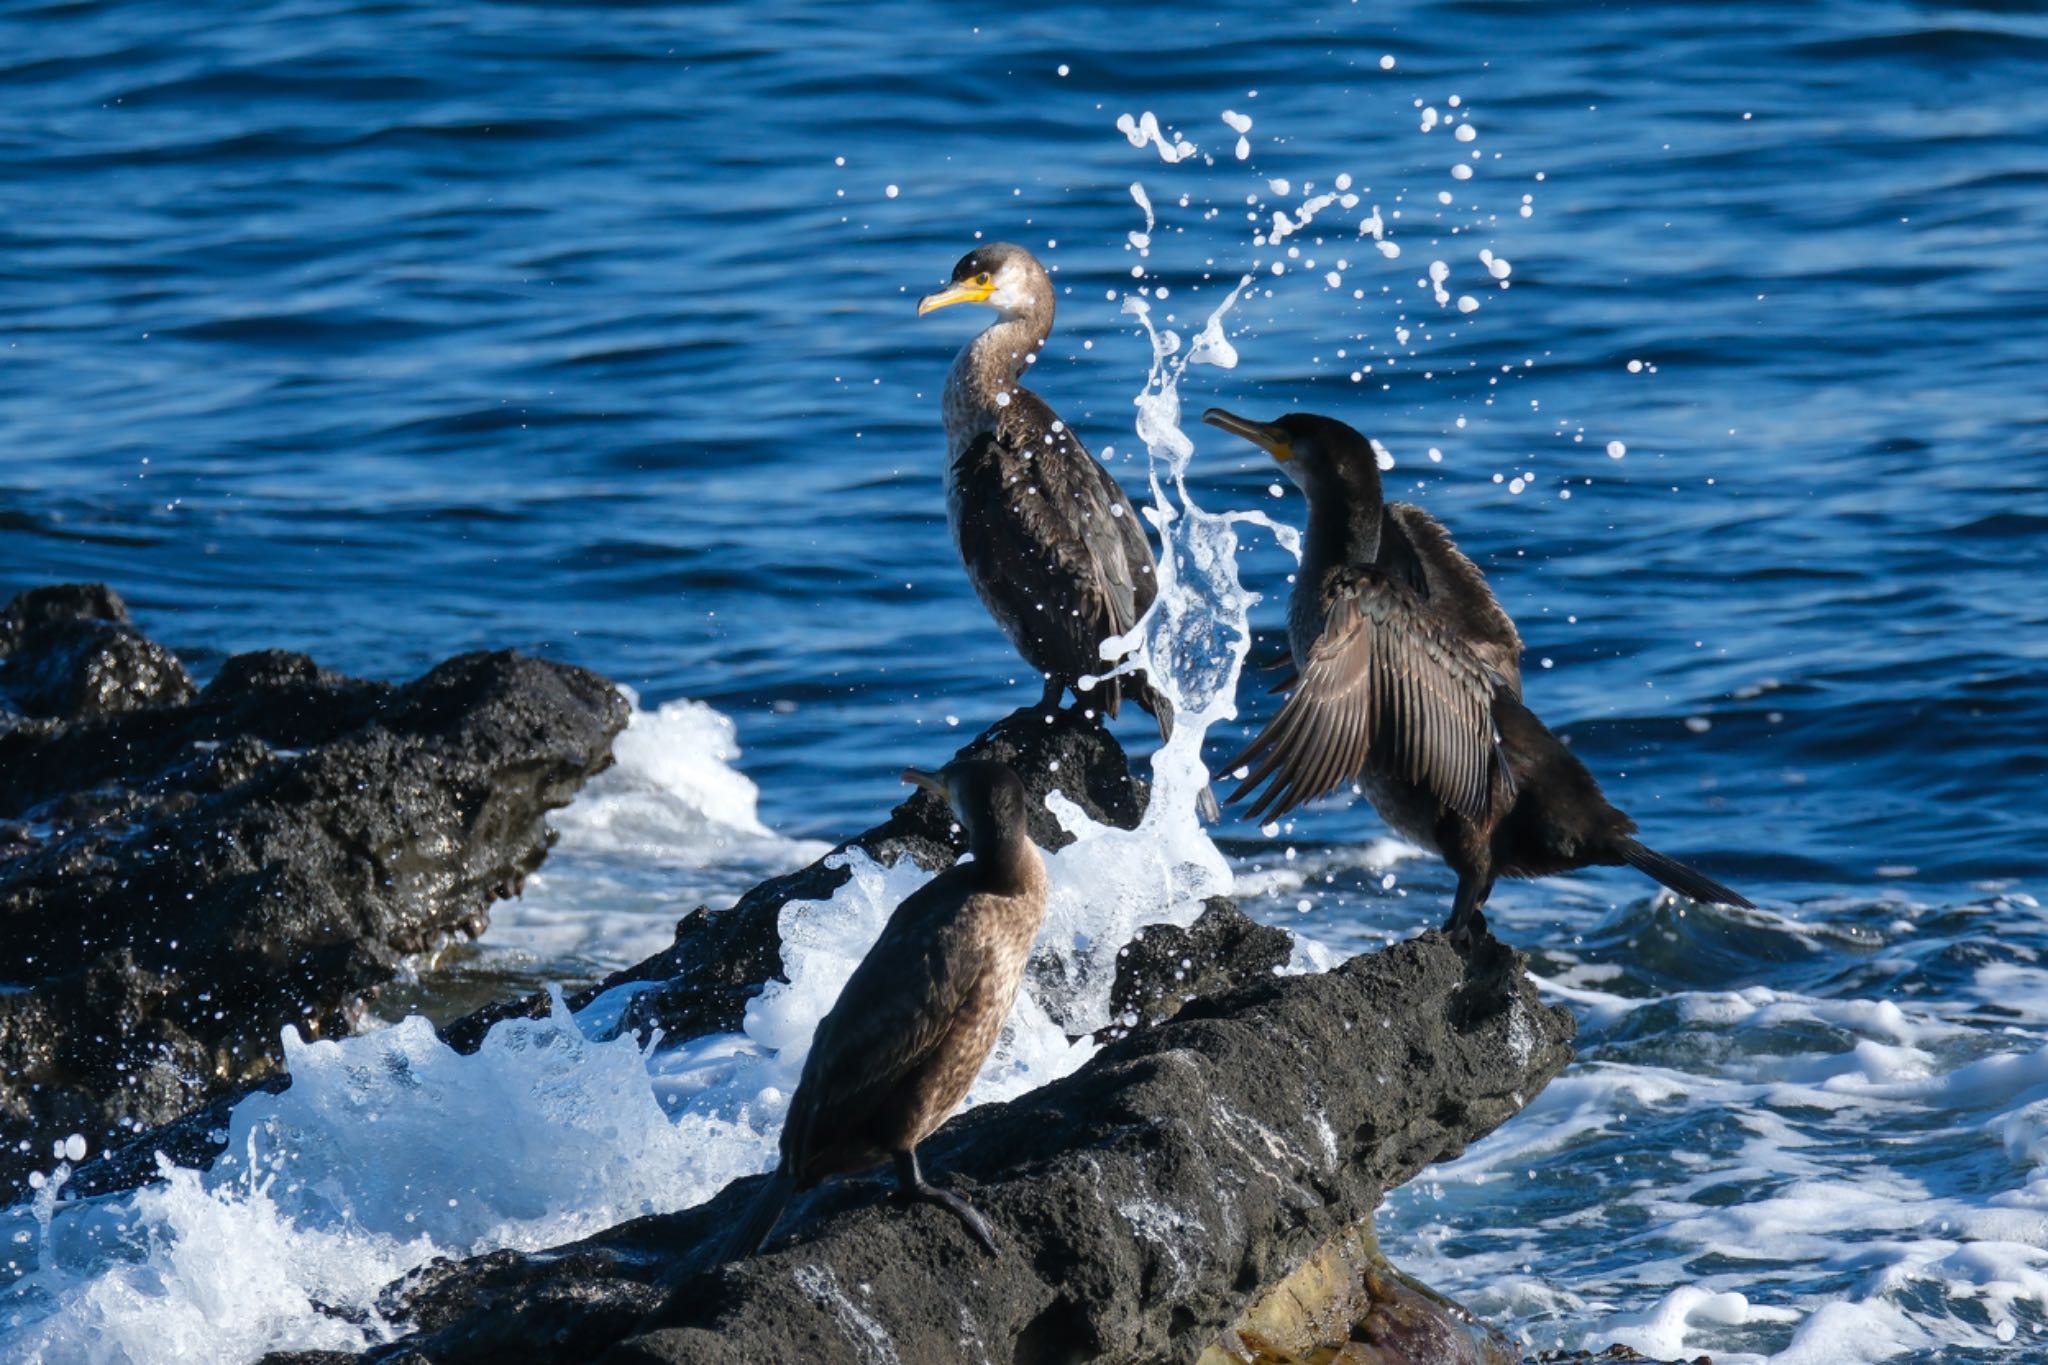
x=1165, y=967
x=69, y=652
x=1142, y=1204
x=182, y=875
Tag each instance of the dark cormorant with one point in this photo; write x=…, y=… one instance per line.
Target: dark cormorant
x=1409, y=680
x=1051, y=543
x=921, y=1013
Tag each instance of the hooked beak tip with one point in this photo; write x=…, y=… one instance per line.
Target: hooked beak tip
x=934, y=783
x=952, y=294
x=1264, y=435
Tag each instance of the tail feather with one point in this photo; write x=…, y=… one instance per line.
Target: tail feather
x=1680, y=878
x=759, y=1220
x=743, y=1240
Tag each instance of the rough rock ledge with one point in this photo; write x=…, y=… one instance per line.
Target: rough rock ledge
x=183, y=872
x=1202, y=1190
x=1146, y=1204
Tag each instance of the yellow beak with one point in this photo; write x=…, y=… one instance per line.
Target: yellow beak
x=952, y=294
x=934, y=783
x=1264, y=435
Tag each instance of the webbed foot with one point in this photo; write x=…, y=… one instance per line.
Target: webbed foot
x=912, y=1189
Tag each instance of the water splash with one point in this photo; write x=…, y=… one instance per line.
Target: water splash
x=1199, y=631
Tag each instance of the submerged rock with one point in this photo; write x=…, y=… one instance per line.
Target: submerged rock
x=1161, y=1203
x=186, y=872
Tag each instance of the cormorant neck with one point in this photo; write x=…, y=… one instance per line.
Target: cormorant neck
x=989, y=367
x=1005, y=854
x=1348, y=523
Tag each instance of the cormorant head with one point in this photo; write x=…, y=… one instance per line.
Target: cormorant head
x=1001, y=275
x=986, y=797
x=1321, y=454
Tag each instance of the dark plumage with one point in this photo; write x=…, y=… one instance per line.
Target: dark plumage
x=1051, y=543
x=1409, y=681
x=921, y=1013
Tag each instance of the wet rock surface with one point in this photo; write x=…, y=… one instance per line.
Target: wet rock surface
x=70, y=651
x=1144, y=1204
x=184, y=872
x=1345, y=1305
x=1166, y=967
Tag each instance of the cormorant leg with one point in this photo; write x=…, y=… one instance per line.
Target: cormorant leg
x=1468, y=848
x=1467, y=924
x=911, y=1189
x=1049, y=700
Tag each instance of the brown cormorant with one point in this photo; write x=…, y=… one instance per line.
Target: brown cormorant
x=921, y=1013
x=1408, y=680
x=1052, y=545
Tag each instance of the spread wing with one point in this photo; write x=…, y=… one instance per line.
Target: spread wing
x=1051, y=542
x=1387, y=684
x=1454, y=588
x=894, y=1010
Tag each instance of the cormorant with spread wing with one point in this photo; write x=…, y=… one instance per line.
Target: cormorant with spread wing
x=1409, y=681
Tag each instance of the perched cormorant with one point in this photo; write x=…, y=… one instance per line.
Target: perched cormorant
x=1408, y=679
x=919, y=1016
x=1051, y=543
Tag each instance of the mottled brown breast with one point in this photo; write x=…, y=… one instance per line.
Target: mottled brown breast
x=1002, y=929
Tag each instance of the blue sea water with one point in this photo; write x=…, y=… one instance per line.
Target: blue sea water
x=385, y=331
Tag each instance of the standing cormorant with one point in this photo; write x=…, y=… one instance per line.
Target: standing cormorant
x=1051, y=543
x=1408, y=680
x=921, y=1013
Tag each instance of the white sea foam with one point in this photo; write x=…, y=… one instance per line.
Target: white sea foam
x=1761, y=1175
x=389, y=1148
x=672, y=824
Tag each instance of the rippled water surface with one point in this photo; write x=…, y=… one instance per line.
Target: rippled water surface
x=389, y=331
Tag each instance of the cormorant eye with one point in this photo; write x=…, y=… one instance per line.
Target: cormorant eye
x=982, y=278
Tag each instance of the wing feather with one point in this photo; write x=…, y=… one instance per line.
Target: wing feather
x=1388, y=686
x=1051, y=542
x=1418, y=549
x=894, y=1010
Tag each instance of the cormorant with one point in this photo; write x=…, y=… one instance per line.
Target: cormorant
x=1408, y=680
x=921, y=1013
x=1051, y=543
